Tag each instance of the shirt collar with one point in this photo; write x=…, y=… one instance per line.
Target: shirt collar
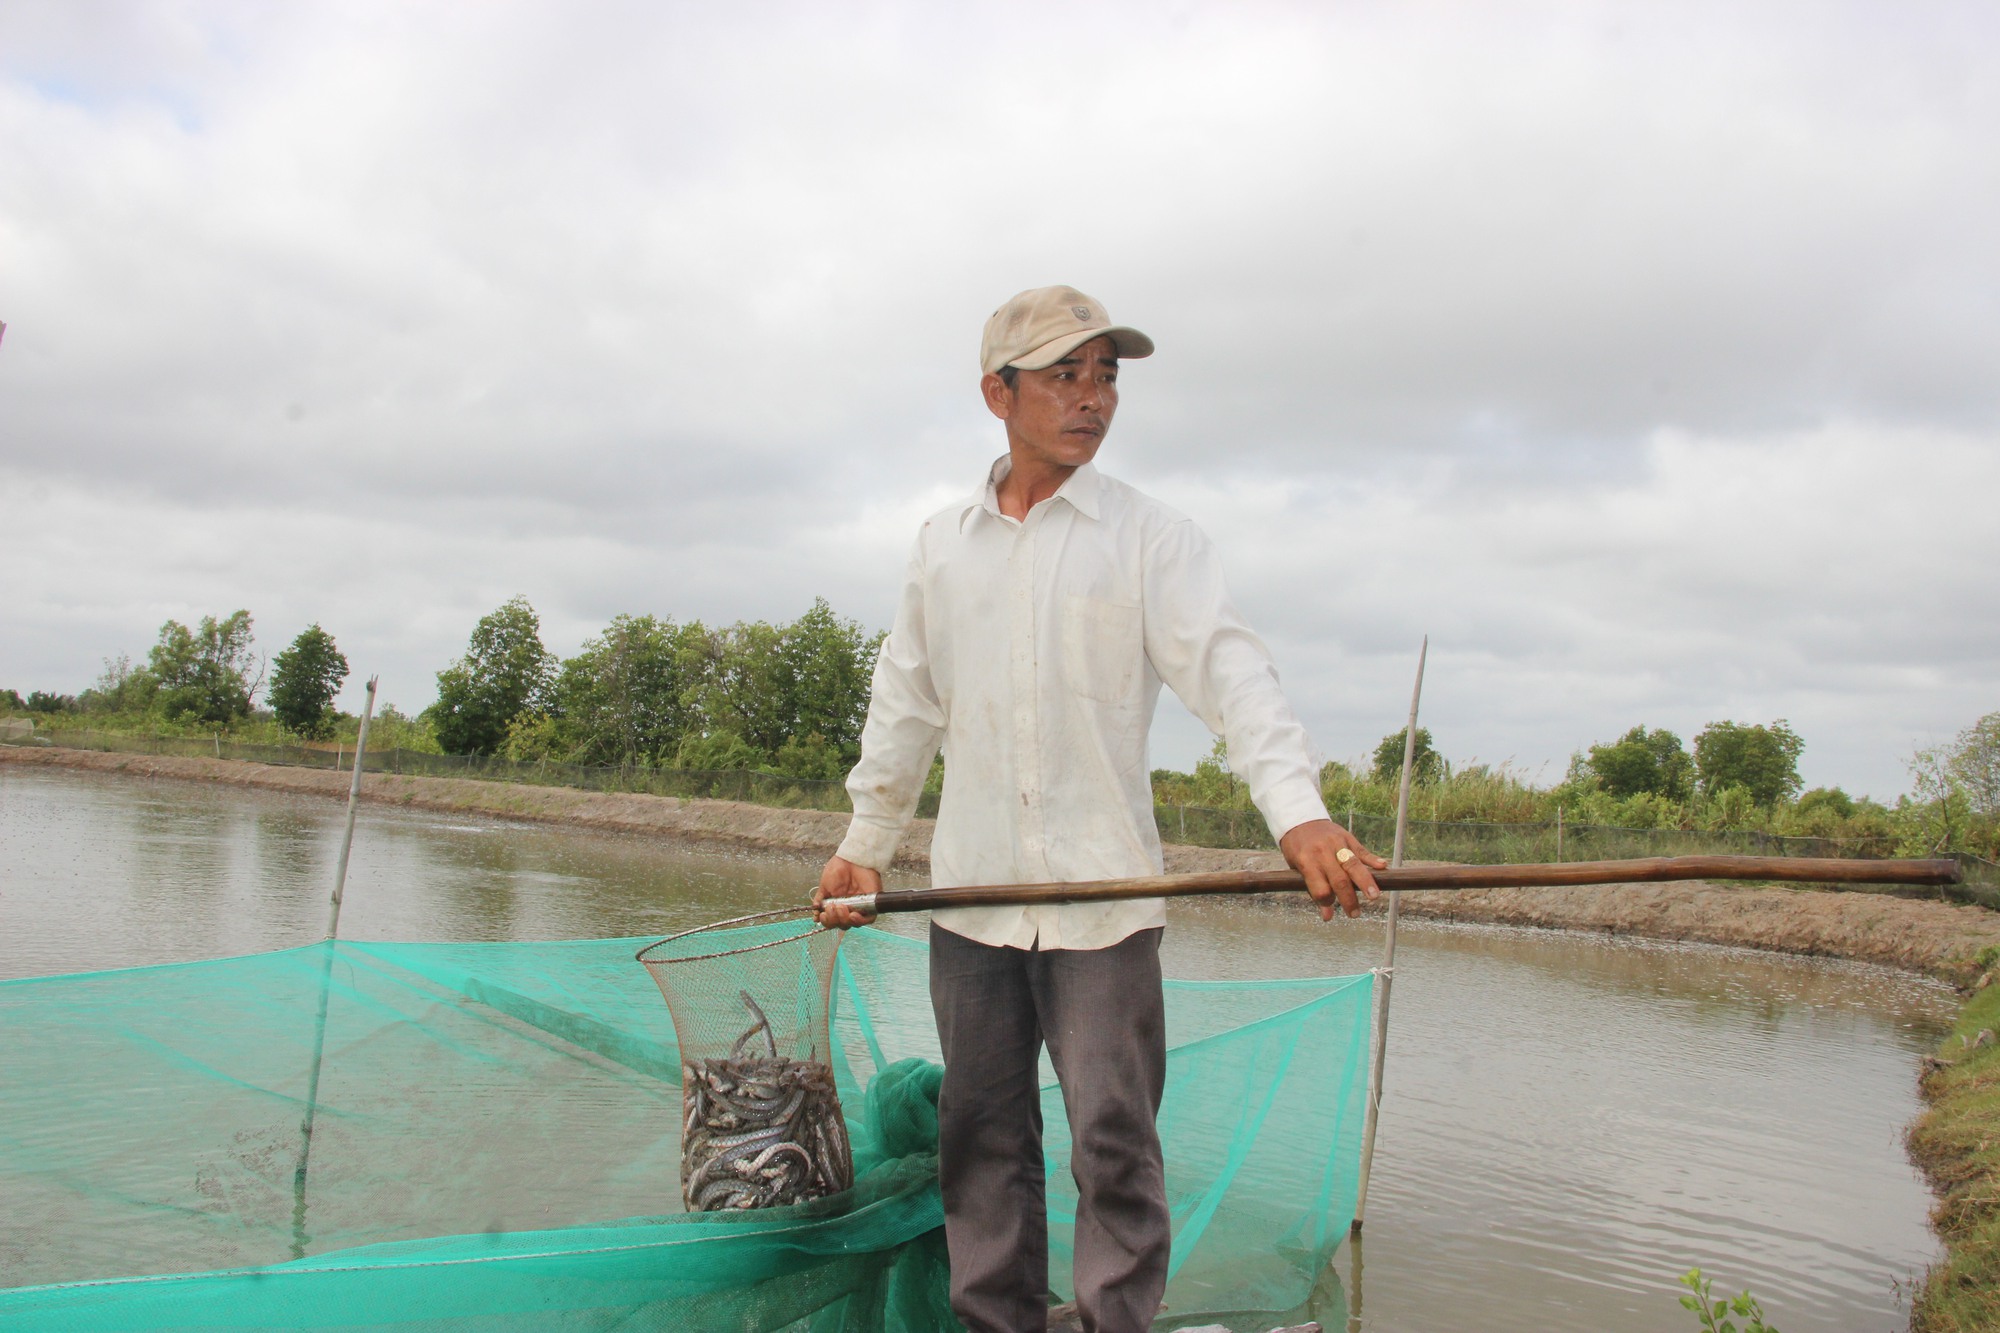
x=1081, y=490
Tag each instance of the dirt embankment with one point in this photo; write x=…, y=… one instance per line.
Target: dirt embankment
x=1940, y=938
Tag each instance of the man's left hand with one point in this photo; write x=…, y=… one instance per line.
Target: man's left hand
x=1313, y=849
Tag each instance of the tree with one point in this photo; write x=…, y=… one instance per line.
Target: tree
x=828, y=665
x=1957, y=789
x=1426, y=764
x=207, y=675
x=1652, y=762
x=1975, y=764
x=742, y=690
x=626, y=697
x=1943, y=811
x=802, y=686
x=1764, y=761
x=505, y=671
x=304, y=680
x=122, y=688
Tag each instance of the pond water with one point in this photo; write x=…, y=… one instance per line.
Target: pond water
x=1569, y=1121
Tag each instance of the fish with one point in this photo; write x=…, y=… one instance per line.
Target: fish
x=760, y=1130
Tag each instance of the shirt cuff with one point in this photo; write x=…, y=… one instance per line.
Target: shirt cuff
x=868, y=844
x=1292, y=806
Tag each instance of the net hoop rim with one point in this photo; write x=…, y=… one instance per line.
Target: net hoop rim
x=817, y=929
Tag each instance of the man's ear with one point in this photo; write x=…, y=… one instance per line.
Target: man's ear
x=999, y=398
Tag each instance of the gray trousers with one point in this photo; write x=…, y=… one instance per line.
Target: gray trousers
x=1101, y=1013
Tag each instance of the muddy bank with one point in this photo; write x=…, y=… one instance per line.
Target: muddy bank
x=714, y=823
x=1939, y=938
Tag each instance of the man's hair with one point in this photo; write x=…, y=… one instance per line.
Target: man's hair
x=1008, y=374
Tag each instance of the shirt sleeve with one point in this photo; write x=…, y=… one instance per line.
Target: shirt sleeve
x=900, y=738
x=1208, y=656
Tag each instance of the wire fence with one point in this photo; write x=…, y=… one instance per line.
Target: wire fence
x=1428, y=840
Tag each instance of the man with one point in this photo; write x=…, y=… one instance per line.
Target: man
x=1037, y=623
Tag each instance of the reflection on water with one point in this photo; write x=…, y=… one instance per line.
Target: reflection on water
x=1569, y=1121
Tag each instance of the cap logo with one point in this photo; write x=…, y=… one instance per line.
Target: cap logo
x=1082, y=312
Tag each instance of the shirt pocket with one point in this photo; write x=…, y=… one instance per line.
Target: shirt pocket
x=1103, y=643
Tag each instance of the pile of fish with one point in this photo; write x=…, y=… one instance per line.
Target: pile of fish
x=760, y=1130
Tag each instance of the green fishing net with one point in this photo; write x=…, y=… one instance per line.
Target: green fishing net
x=495, y=1145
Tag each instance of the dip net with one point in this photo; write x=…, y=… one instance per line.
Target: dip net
x=496, y=1143
x=760, y=1114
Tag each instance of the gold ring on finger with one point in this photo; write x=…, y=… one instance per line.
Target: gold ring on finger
x=1344, y=855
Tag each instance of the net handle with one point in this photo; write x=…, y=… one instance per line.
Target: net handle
x=725, y=925
x=1647, y=870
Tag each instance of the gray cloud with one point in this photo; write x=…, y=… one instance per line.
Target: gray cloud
x=1641, y=356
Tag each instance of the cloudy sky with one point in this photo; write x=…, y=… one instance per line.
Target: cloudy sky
x=1641, y=355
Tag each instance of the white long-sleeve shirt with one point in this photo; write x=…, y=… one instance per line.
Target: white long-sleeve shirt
x=1034, y=652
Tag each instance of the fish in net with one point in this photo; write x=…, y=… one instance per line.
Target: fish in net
x=760, y=1130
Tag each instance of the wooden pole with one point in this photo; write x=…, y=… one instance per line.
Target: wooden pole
x=1644, y=870
x=1386, y=973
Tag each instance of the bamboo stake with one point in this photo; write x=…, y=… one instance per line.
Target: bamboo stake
x=326, y=987
x=353, y=799
x=1387, y=972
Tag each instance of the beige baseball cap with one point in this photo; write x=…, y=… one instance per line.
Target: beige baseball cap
x=1040, y=327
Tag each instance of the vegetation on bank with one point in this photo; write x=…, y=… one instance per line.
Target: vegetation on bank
x=789, y=700
x=1737, y=779
x=1957, y=1143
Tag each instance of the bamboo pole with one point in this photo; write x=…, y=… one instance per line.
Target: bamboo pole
x=1387, y=972
x=326, y=987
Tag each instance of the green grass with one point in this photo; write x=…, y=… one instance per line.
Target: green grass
x=390, y=729
x=1957, y=1143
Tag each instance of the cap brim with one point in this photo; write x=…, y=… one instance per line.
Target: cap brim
x=1131, y=344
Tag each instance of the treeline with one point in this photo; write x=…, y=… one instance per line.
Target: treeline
x=1736, y=778
x=208, y=678
x=791, y=698
x=649, y=691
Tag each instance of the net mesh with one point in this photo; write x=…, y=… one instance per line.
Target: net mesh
x=495, y=1144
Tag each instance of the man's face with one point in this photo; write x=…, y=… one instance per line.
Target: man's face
x=1060, y=414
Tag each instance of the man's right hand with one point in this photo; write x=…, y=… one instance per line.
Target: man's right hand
x=844, y=879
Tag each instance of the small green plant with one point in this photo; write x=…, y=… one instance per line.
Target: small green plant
x=1715, y=1314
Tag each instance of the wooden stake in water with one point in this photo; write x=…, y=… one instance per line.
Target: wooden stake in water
x=326, y=987
x=1387, y=972
x=353, y=799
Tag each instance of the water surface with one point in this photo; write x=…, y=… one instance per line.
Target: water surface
x=1570, y=1121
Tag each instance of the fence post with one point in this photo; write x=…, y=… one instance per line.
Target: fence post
x=1559, y=831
